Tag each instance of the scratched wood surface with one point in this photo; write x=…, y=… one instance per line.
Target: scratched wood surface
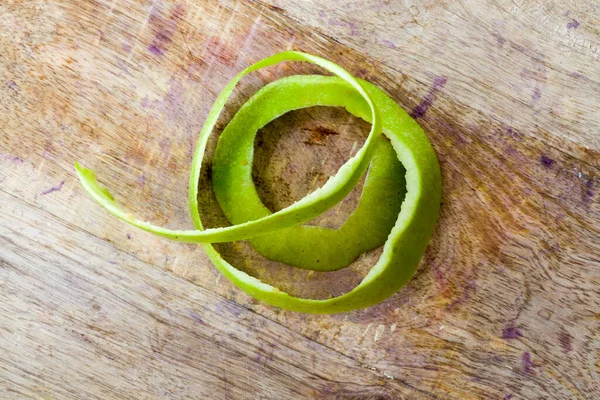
x=506, y=303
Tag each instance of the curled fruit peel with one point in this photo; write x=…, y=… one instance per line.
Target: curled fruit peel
x=409, y=235
x=310, y=247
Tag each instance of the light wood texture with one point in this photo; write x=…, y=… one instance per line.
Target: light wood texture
x=506, y=304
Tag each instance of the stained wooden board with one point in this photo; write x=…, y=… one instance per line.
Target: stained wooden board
x=505, y=305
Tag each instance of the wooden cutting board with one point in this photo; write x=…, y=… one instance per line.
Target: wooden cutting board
x=506, y=303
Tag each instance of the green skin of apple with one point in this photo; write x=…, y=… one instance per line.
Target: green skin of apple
x=309, y=247
x=409, y=236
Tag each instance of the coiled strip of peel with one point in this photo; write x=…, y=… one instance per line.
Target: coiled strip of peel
x=410, y=234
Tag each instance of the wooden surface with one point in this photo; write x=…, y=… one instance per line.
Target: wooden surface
x=506, y=304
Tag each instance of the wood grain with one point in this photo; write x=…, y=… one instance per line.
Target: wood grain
x=506, y=304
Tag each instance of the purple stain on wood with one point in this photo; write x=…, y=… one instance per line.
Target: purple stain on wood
x=389, y=44
x=576, y=75
x=511, y=151
x=439, y=82
x=177, y=109
x=121, y=65
x=141, y=180
x=511, y=332
x=165, y=145
x=420, y=110
x=353, y=28
x=536, y=96
x=196, y=317
x=53, y=189
x=146, y=103
x=508, y=397
x=12, y=84
x=464, y=297
x=351, y=25
x=154, y=49
x=574, y=24
x=528, y=75
x=589, y=193
x=226, y=307
x=129, y=236
x=547, y=161
x=439, y=274
x=528, y=365
x=565, y=341
x=164, y=28
x=500, y=41
x=496, y=358
x=12, y=158
x=512, y=131
x=261, y=357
